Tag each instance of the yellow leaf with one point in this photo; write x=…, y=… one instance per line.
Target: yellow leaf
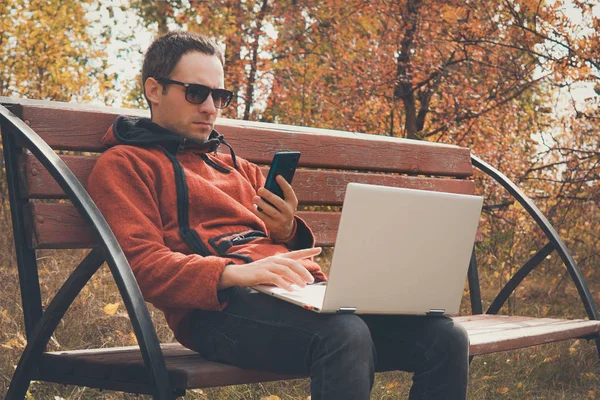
x=13, y=344
x=591, y=375
x=573, y=347
x=271, y=397
x=132, y=339
x=111, y=308
x=502, y=390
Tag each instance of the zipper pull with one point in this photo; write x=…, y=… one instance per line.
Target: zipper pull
x=239, y=237
x=182, y=145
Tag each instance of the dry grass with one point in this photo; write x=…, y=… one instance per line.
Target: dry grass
x=568, y=370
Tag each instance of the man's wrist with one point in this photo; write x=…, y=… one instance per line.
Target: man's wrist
x=227, y=277
x=289, y=237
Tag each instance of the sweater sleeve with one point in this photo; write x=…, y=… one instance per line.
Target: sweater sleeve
x=302, y=237
x=124, y=189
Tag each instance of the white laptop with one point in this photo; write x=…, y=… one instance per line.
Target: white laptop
x=398, y=251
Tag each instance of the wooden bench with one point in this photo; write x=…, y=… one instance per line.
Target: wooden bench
x=330, y=159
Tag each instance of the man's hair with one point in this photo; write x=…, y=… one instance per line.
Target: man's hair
x=165, y=52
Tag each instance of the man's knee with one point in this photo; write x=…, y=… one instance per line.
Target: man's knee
x=451, y=337
x=343, y=359
x=347, y=332
x=459, y=337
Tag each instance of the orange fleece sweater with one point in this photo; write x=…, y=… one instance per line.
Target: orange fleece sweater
x=134, y=188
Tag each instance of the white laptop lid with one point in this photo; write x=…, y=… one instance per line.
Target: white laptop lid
x=401, y=251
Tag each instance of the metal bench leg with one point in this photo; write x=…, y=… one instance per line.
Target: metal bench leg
x=50, y=319
x=474, y=289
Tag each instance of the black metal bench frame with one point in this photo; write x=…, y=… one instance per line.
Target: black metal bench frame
x=40, y=324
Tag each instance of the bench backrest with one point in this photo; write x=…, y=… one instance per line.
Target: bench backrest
x=330, y=159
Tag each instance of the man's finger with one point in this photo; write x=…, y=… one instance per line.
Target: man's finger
x=288, y=192
x=269, y=222
x=278, y=281
x=265, y=207
x=300, y=254
x=291, y=273
x=271, y=197
x=295, y=268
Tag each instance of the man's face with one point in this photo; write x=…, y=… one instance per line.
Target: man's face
x=172, y=111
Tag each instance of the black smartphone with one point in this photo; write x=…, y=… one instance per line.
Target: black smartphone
x=284, y=164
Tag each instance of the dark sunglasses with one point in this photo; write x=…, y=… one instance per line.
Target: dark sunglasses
x=197, y=94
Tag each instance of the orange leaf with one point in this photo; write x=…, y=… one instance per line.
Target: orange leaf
x=392, y=384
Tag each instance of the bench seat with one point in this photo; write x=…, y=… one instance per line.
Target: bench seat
x=493, y=333
x=122, y=368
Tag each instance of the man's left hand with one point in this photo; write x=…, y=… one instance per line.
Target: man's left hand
x=278, y=217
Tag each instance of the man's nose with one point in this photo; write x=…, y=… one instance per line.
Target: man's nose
x=208, y=106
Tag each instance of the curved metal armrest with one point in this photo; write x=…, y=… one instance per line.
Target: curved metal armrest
x=555, y=242
x=121, y=271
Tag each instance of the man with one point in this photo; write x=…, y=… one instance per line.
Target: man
x=197, y=233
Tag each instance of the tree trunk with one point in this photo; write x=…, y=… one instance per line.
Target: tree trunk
x=404, y=89
x=233, y=70
x=254, y=60
x=161, y=17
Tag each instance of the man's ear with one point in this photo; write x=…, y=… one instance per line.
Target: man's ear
x=153, y=90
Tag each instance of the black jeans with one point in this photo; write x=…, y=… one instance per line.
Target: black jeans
x=340, y=352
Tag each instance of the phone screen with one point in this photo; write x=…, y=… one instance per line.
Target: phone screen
x=284, y=164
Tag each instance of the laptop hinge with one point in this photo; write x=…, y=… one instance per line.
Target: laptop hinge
x=435, y=312
x=346, y=310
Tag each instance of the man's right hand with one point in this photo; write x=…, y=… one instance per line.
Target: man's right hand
x=281, y=270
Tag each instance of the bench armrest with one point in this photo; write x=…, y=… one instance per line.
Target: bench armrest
x=555, y=243
x=112, y=252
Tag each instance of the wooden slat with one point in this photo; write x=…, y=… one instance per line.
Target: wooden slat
x=494, y=333
x=36, y=182
x=121, y=368
x=59, y=226
x=483, y=320
x=311, y=186
x=63, y=127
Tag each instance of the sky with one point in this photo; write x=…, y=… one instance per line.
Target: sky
x=124, y=58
